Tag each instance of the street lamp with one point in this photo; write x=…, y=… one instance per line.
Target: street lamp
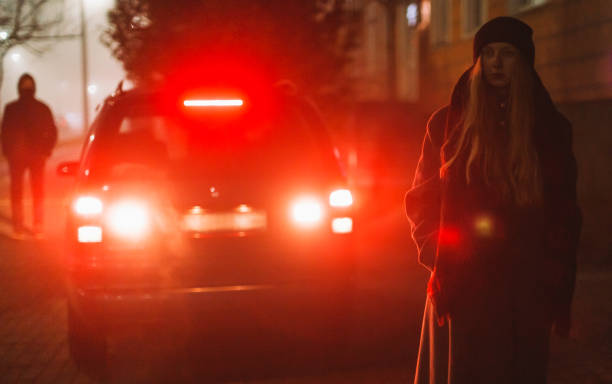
x=85, y=69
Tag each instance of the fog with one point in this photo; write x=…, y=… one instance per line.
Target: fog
x=57, y=67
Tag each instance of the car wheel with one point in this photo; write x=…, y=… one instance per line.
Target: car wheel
x=343, y=296
x=87, y=345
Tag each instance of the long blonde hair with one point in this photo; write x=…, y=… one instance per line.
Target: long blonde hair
x=510, y=164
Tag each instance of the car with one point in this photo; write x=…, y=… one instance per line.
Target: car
x=191, y=200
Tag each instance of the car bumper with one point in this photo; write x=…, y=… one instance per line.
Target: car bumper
x=116, y=289
x=254, y=306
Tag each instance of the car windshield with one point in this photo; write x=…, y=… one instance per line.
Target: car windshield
x=218, y=146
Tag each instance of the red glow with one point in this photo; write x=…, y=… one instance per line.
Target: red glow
x=449, y=236
x=219, y=75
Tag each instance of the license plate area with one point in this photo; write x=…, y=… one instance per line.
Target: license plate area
x=210, y=222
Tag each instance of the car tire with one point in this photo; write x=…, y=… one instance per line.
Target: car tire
x=343, y=295
x=87, y=344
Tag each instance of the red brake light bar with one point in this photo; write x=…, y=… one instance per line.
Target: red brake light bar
x=213, y=102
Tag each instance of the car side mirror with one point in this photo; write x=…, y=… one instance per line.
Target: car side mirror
x=68, y=168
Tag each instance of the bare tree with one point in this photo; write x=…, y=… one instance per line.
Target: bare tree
x=24, y=21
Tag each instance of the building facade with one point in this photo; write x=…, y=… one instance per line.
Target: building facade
x=427, y=44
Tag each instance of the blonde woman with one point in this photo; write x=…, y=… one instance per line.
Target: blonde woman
x=494, y=215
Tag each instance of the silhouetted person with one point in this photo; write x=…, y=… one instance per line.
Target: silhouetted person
x=494, y=215
x=28, y=137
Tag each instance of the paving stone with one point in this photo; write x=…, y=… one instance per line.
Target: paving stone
x=11, y=375
x=50, y=372
x=32, y=372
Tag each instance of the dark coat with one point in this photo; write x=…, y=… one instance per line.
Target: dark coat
x=28, y=130
x=503, y=292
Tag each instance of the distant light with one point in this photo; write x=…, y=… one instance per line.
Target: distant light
x=92, y=89
x=92, y=137
x=425, y=13
x=16, y=57
x=243, y=208
x=213, y=103
x=74, y=121
x=3, y=35
x=412, y=14
x=484, y=226
x=140, y=21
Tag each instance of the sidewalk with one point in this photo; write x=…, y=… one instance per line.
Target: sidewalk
x=55, y=189
x=586, y=357
x=33, y=320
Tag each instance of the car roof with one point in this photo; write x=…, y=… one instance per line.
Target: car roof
x=280, y=90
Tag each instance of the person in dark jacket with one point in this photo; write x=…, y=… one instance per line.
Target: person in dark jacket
x=494, y=214
x=28, y=137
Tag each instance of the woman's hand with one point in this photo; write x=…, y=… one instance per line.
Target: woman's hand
x=439, y=298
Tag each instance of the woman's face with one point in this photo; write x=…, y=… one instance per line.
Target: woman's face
x=498, y=63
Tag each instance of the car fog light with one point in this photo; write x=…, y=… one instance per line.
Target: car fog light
x=342, y=225
x=90, y=234
x=88, y=205
x=341, y=198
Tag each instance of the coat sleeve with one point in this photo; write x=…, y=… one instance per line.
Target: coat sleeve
x=49, y=132
x=7, y=131
x=422, y=201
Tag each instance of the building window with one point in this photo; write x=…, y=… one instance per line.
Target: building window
x=375, y=58
x=516, y=6
x=440, y=22
x=474, y=14
x=412, y=14
x=407, y=52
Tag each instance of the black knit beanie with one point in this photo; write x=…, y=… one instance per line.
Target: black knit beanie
x=506, y=30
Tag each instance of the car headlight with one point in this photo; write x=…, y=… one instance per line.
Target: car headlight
x=129, y=219
x=307, y=211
